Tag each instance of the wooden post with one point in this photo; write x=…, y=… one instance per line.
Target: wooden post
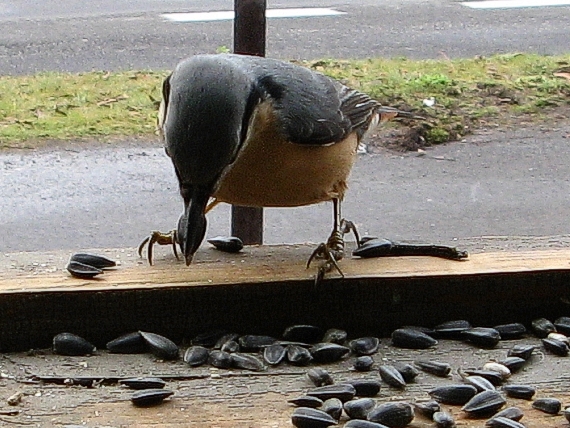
x=249, y=39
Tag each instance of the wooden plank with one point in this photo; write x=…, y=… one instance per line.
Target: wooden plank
x=267, y=288
x=231, y=398
x=273, y=264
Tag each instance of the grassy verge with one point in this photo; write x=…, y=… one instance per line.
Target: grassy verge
x=466, y=92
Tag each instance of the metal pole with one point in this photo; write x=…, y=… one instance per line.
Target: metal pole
x=249, y=39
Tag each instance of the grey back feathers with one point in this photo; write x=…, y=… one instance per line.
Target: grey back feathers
x=209, y=100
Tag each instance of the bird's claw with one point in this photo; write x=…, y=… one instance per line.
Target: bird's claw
x=160, y=238
x=330, y=259
x=333, y=250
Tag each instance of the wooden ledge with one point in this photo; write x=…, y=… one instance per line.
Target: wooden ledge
x=265, y=289
x=260, y=265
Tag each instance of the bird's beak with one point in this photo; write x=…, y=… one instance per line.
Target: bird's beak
x=192, y=225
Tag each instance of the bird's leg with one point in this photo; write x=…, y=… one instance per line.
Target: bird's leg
x=160, y=238
x=168, y=238
x=333, y=250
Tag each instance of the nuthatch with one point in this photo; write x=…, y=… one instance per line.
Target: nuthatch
x=260, y=132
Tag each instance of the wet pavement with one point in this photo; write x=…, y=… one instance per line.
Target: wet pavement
x=495, y=183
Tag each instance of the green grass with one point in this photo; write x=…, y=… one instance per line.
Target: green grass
x=466, y=91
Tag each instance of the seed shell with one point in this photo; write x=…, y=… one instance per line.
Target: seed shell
x=524, y=392
x=274, y=354
x=434, y=367
x=143, y=382
x=71, y=345
x=359, y=423
x=429, y=331
x=328, y=352
x=131, y=343
x=363, y=363
x=150, y=397
x=195, y=356
x=298, y=356
x=160, y=346
x=246, y=362
x=547, y=405
x=334, y=407
x=514, y=364
x=220, y=359
x=408, y=372
x=502, y=422
x=566, y=413
x=559, y=337
x=344, y=392
x=428, y=408
x=335, y=335
x=562, y=325
x=511, y=331
x=412, y=339
x=492, y=376
x=479, y=382
x=391, y=376
x=234, y=337
x=394, y=415
x=252, y=343
x=513, y=413
x=484, y=404
x=306, y=401
x=208, y=339
x=359, y=408
x=306, y=417
x=95, y=260
x=364, y=345
x=365, y=387
x=503, y=370
x=482, y=336
x=227, y=244
x=230, y=346
x=458, y=394
x=556, y=347
x=444, y=420
x=319, y=376
x=541, y=327
x=452, y=329
x=522, y=351
x=83, y=271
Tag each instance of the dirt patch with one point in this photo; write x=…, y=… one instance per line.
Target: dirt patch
x=413, y=136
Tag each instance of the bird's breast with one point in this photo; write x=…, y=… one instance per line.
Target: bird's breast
x=270, y=171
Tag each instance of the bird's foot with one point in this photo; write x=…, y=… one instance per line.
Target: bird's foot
x=332, y=251
x=160, y=238
x=329, y=257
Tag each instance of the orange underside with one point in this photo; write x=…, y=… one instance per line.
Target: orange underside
x=272, y=172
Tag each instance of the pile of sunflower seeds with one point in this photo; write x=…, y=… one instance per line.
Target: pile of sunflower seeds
x=482, y=392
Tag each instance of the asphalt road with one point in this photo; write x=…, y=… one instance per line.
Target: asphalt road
x=511, y=183
x=503, y=183
x=73, y=35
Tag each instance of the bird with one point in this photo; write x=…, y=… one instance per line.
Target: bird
x=261, y=132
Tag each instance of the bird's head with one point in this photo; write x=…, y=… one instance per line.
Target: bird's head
x=207, y=103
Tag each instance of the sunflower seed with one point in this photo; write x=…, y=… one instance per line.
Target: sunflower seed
x=484, y=404
x=548, y=405
x=196, y=356
x=160, y=346
x=458, y=394
x=150, y=397
x=72, y=345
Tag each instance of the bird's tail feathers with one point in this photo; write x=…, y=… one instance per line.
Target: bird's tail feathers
x=386, y=114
